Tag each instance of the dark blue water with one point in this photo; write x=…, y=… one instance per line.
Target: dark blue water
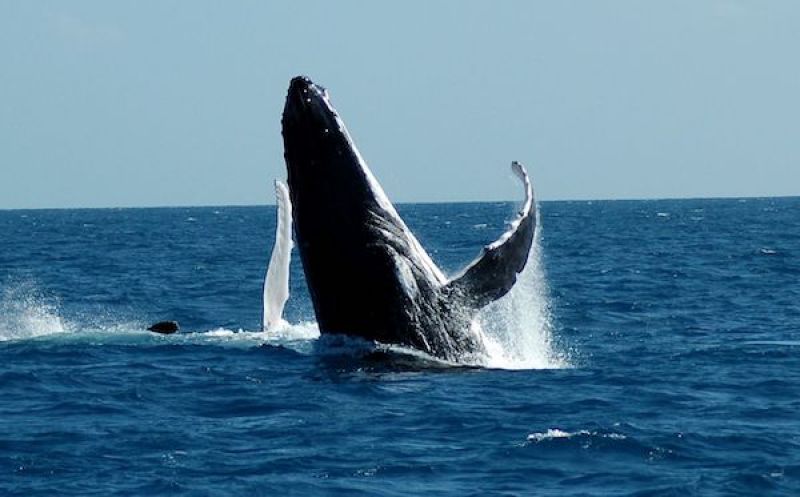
x=666, y=333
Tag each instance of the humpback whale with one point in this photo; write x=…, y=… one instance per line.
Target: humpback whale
x=367, y=274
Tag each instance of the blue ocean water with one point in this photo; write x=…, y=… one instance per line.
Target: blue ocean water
x=651, y=348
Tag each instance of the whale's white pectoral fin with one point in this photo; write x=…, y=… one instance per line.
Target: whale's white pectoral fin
x=495, y=271
x=276, y=282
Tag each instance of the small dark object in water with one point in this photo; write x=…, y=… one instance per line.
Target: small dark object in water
x=165, y=327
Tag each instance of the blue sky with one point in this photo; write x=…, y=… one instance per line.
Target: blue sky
x=179, y=103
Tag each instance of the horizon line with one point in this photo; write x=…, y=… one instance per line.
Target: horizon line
x=424, y=202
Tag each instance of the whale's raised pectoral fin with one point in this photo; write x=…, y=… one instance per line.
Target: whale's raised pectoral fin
x=495, y=271
x=276, y=282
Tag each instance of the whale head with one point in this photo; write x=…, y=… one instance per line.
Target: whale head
x=321, y=158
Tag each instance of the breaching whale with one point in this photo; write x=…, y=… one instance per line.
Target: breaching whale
x=367, y=274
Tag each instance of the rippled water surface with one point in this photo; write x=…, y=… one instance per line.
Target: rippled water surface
x=651, y=348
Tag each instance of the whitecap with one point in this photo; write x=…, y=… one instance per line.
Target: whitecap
x=555, y=433
x=550, y=434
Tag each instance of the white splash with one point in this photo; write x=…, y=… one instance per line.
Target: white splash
x=517, y=328
x=281, y=332
x=304, y=330
x=25, y=313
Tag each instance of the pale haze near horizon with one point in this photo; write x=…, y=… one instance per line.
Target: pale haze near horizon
x=106, y=104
